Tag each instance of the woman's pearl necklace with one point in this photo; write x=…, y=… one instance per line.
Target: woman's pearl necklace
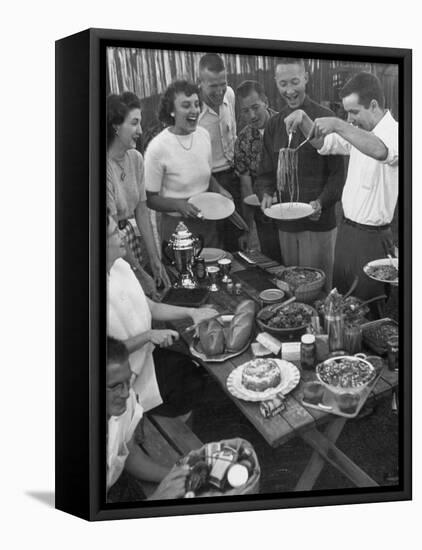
x=189, y=147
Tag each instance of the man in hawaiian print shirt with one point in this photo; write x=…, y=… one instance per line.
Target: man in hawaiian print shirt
x=254, y=110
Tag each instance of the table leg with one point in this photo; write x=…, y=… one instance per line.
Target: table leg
x=330, y=453
x=316, y=463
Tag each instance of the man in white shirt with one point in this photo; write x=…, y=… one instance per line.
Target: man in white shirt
x=123, y=415
x=219, y=118
x=370, y=137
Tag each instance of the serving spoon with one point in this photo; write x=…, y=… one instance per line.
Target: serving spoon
x=353, y=307
x=352, y=287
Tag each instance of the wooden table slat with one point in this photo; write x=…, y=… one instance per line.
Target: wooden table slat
x=156, y=447
x=176, y=432
x=314, y=467
x=337, y=458
x=391, y=377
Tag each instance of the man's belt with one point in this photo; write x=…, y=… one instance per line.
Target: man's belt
x=122, y=224
x=367, y=227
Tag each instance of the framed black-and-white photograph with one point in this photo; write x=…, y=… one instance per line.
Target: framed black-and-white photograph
x=230, y=306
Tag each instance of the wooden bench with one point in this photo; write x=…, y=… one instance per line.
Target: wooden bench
x=165, y=440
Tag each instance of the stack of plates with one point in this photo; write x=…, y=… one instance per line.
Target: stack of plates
x=212, y=255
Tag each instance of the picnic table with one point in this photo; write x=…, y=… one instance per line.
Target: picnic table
x=319, y=429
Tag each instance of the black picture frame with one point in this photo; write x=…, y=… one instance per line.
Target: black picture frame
x=81, y=276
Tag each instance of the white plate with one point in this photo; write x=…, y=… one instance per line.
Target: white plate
x=212, y=254
x=384, y=261
x=290, y=377
x=289, y=211
x=197, y=352
x=253, y=200
x=213, y=205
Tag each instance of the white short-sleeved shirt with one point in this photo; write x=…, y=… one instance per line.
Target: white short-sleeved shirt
x=222, y=130
x=119, y=433
x=128, y=316
x=371, y=189
x=178, y=166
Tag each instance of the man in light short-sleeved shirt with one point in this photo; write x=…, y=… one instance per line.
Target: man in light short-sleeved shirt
x=370, y=137
x=218, y=118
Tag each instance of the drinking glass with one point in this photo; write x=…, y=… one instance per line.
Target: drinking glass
x=225, y=265
x=213, y=272
x=352, y=338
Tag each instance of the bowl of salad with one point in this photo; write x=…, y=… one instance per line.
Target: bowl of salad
x=346, y=374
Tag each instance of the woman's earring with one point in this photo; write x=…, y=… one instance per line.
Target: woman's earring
x=172, y=114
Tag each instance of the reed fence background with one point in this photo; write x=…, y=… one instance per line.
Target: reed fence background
x=147, y=73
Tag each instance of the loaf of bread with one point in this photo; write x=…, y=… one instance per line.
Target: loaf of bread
x=240, y=329
x=211, y=336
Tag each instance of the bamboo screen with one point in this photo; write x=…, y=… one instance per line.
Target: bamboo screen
x=147, y=72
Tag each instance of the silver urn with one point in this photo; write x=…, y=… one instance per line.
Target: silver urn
x=182, y=250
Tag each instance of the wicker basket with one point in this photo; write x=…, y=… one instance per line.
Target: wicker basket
x=307, y=292
x=252, y=485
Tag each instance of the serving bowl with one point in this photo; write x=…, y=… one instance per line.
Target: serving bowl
x=289, y=311
x=347, y=374
x=305, y=283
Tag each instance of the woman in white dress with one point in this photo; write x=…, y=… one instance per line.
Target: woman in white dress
x=164, y=378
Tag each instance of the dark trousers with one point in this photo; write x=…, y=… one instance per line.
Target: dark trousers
x=268, y=236
x=229, y=234
x=355, y=247
x=181, y=382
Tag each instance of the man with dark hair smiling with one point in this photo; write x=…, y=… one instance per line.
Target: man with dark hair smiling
x=123, y=415
x=255, y=112
x=307, y=242
x=370, y=137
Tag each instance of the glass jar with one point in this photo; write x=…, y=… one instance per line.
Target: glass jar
x=335, y=329
x=352, y=338
x=307, y=351
x=393, y=353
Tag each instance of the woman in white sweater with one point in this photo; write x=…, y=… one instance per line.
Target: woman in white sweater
x=178, y=164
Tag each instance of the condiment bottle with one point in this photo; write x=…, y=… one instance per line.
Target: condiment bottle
x=393, y=353
x=307, y=351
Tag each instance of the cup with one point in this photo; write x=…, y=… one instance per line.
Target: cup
x=225, y=265
x=271, y=296
x=213, y=272
x=313, y=393
x=347, y=402
x=352, y=338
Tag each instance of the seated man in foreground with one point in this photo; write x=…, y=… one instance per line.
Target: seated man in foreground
x=123, y=415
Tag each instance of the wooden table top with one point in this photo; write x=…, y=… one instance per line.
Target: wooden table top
x=296, y=417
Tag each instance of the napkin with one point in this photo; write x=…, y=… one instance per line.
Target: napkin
x=273, y=406
x=259, y=350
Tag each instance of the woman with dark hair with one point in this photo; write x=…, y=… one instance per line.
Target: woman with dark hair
x=126, y=196
x=178, y=164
